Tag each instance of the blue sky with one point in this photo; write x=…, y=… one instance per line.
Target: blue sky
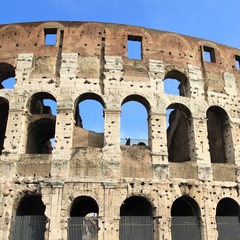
x=216, y=20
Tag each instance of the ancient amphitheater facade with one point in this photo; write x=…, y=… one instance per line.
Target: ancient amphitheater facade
x=182, y=183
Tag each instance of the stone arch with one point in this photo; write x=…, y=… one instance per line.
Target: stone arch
x=30, y=220
x=183, y=88
x=90, y=206
x=83, y=218
x=137, y=134
x=41, y=128
x=180, y=133
x=185, y=223
x=36, y=103
x=228, y=207
x=7, y=73
x=227, y=218
x=219, y=135
x=89, y=125
x=4, y=108
x=174, y=41
x=136, y=218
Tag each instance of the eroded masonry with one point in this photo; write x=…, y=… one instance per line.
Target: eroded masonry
x=60, y=180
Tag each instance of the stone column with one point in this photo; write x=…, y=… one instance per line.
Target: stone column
x=201, y=146
x=111, y=150
x=158, y=140
x=63, y=141
x=53, y=211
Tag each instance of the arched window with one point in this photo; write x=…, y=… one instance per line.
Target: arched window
x=227, y=217
x=89, y=121
x=136, y=220
x=176, y=83
x=185, y=224
x=83, y=222
x=29, y=222
x=219, y=135
x=4, y=107
x=41, y=129
x=134, y=121
x=7, y=76
x=179, y=133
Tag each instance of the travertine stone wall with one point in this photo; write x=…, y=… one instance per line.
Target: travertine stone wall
x=90, y=61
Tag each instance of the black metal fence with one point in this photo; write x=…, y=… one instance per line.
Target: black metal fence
x=228, y=228
x=185, y=228
x=80, y=228
x=28, y=228
x=136, y=228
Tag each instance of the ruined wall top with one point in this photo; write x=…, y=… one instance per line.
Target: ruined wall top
x=88, y=39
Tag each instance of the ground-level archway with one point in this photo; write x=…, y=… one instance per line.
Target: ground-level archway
x=83, y=222
x=136, y=220
x=185, y=223
x=30, y=221
x=227, y=218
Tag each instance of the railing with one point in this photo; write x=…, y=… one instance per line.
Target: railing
x=134, y=141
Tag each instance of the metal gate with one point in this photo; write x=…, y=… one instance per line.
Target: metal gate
x=136, y=228
x=228, y=228
x=28, y=228
x=186, y=228
x=80, y=228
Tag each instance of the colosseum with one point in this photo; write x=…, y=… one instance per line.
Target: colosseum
x=61, y=181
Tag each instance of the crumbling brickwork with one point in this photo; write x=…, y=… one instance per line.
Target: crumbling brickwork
x=192, y=164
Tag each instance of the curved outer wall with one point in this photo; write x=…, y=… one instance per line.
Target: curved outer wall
x=93, y=58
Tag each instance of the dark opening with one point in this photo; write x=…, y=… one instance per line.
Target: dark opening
x=31, y=205
x=227, y=218
x=7, y=76
x=185, y=223
x=136, y=220
x=40, y=133
x=237, y=62
x=178, y=132
x=135, y=47
x=50, y=36
x=4, y=107
x=176, y=83
x=227, y=207
x=219, y=133
x=136, y=206
x=185, y=206
x=209, y=54
x=84, y=206
x=29, y=222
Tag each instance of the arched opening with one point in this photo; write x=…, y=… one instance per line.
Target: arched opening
x=7, y=76
x=185, y=224
x=134, y=121
x=41, y=129
x=4, y=107
x=89, y=121
x=83, y=222
x=219, y=135
x=176, y=83
x=136, y=220
x=227, y=218
x=43, y=103
x=29, y=222
x=179, y=133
